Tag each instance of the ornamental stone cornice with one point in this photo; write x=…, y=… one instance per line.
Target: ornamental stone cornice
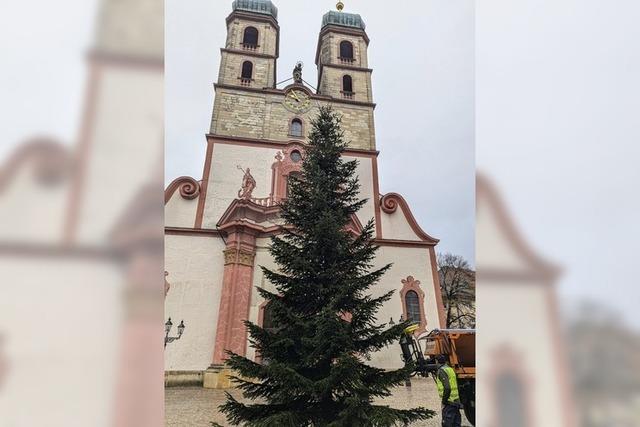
x=244, y=216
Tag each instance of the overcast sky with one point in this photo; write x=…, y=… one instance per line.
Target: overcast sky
x=43, y=73
x=422, y=54
x=558, y=131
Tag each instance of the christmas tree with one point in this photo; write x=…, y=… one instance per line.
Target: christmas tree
x=314, y=370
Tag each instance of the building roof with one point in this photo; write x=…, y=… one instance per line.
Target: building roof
x=350, y=20
x=264, y=7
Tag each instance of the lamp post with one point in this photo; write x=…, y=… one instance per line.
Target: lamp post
x=167, y=330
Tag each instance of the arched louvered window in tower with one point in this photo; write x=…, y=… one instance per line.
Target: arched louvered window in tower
x=250, y=38
x=247, y=73
x=347, y=86
x=346, y=51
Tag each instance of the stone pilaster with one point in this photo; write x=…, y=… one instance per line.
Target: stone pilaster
x=231, y=333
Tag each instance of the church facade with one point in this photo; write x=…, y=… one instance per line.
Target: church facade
x=218, y=229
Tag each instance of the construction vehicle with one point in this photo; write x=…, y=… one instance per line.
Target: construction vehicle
x=458, y=345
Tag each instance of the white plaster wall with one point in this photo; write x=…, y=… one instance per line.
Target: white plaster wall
x=195, y=265
x=32, y=211
x=180, y=212
x=119, y=160
x=61, y=320
x=528, y=306
x=414, y=262
x=225, y=179
x=395, y=226
x=365, y=175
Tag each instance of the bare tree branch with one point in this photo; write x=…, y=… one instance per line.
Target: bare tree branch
x=457, y=285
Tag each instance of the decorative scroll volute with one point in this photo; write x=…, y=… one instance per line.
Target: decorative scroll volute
x=188, y=187
x=389, y=203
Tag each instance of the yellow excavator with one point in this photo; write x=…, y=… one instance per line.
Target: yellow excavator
x=458, y=345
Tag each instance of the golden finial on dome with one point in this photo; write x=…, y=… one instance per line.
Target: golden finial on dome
x=340, y=6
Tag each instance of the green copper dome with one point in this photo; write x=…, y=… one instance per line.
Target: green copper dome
x=264, y=7
x=351, y=20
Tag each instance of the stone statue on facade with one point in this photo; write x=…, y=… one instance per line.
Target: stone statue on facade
x=248, y=184
x=297, y=73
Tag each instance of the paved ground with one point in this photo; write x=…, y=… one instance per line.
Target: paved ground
x=197, y=407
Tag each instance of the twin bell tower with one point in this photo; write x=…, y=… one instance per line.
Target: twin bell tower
x=249, y=66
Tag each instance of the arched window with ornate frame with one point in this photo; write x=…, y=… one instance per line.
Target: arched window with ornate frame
x=267, y=317
x=294, y=175
x=510, y=400
x=412, y=297
x=412, y=302
x=288, y=161
x=265, y=320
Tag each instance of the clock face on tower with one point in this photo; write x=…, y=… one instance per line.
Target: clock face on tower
x=297, y=100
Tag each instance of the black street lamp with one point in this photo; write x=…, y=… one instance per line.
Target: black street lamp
x=167, y=329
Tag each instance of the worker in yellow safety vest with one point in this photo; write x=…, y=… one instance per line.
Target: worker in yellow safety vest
x=447, y=384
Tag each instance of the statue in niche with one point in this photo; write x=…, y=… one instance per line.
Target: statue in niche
x=297, y=73
x=248, y=184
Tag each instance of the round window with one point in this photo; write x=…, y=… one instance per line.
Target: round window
x=296, y=156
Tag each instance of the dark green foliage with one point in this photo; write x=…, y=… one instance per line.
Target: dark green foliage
x=314, y=372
